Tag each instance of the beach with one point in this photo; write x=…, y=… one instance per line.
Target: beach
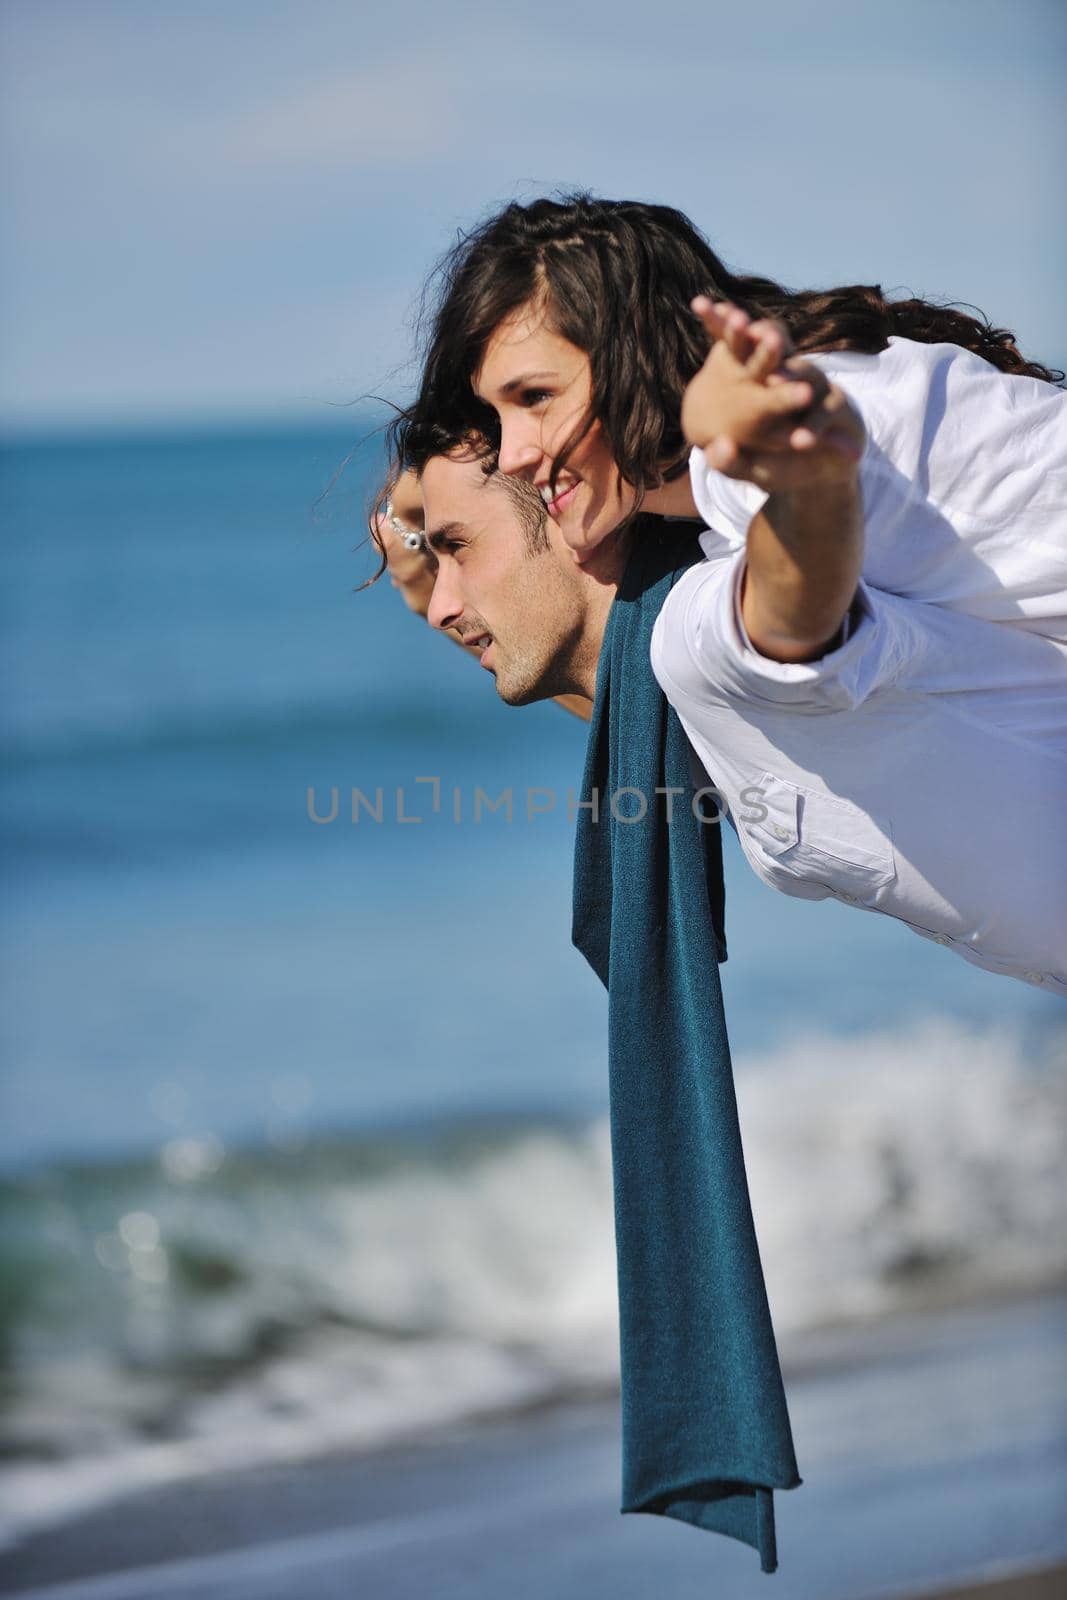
x=933, y=1452
x=309, y=1285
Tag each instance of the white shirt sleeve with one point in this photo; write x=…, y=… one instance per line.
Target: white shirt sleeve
x=964, y=482
x=703, y=647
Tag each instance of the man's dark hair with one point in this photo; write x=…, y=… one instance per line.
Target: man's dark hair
x=530, y=507
x=423, y=443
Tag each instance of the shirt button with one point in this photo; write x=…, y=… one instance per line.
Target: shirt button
x=942, y=938
x=1034, y=977
x=849, y=899
x=780, y=832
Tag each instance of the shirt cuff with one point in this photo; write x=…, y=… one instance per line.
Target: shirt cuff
x=838, y=680
x=841, y=637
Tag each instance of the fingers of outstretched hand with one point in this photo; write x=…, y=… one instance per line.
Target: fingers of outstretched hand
x=776, y=414
x=783, y=398
x=832, y=423
x=727, y=322
x=796, y=370
x=825, y=448
x=766, y=420
x=760, y=346
x=816, y=425
x=710, y=314
x=771, y=346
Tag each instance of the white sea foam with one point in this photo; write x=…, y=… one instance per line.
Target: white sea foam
x=375, y=1291
x=888, y=1171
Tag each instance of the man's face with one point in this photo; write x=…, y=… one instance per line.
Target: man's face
x=526, y=609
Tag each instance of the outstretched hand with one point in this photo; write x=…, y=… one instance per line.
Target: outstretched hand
x=763, y=414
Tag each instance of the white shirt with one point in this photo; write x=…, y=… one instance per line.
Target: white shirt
x=964, y=483
x=920, y=769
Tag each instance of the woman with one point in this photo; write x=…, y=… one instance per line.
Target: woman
x=879, y=634
x=599, y=292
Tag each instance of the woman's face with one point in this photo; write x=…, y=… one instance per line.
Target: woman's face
x=540, y=386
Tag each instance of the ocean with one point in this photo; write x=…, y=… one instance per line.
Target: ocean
x=303, y=1140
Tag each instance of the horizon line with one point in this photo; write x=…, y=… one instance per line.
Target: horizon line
x=17, y=433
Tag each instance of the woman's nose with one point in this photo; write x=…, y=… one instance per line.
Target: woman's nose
x=520, y=446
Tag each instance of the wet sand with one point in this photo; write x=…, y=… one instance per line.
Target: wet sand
x=934, y=1457
x=1048, y=1585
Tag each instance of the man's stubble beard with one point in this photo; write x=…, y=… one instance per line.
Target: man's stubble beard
x=525, y=677
x=542, y=665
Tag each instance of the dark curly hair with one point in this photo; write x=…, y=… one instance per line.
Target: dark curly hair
x=616, y=278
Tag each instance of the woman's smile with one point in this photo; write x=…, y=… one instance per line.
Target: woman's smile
x=565, y=492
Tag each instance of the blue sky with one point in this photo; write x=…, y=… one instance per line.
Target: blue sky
x=226, y=210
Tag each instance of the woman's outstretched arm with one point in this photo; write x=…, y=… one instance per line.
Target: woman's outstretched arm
x=765, y=416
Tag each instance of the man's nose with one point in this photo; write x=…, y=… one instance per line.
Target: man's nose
x=520, y=447
x=445, y=608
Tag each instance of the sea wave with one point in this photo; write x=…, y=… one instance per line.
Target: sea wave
x=204, y=1308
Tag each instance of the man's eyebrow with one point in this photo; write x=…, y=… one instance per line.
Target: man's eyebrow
x=447, y=530
x=526, y=377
